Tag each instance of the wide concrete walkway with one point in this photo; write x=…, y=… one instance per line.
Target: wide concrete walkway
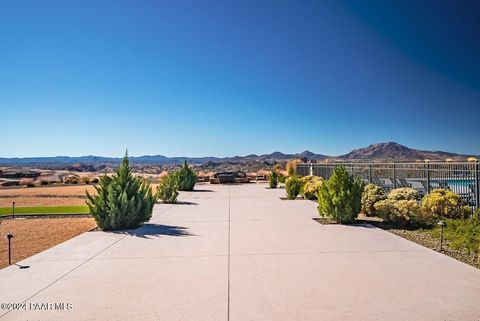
x=241, y=253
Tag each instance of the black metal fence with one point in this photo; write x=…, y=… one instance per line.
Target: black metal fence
x=459, y=177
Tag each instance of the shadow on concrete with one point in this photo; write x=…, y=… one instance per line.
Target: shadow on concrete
x=157, y=230
x=326, y=221
x=185, y=203
x=202, y=191
x=363, y=225
x=21, y=266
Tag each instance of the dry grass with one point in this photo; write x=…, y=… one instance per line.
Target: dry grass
x=56, y=195
x=35, y=235
x=45, y=196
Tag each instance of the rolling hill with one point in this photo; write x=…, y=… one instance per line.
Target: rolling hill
x=390, y=151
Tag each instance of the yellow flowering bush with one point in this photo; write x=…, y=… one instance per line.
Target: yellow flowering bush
x=444, y=203
x=370, y=196
x=311, y=186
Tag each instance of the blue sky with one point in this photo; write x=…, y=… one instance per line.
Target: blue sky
x=220, y=78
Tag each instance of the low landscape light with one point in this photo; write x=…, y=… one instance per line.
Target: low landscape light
x=9, y=237
x=13, y=209
x=442, y=225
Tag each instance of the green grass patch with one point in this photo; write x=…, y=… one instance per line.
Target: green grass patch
x=45, y=210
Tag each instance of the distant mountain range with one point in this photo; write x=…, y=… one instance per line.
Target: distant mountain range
x=396, y=152
x=390, y=151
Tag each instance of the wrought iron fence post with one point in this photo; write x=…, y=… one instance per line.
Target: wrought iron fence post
x=428, y=178
x=477, y=186
x=394, y=180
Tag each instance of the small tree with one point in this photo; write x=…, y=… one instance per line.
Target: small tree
x=167, y=190
x=122, y=201
x=339, y=198
x=186, y=178
x=293, y=186
x=273, y=182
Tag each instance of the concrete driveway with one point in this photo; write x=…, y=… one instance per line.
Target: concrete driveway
x=240, y=253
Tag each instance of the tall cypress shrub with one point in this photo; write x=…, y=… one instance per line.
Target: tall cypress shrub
x=339, y=198
x=122, y=201
x=186, y=178
x=273, y=182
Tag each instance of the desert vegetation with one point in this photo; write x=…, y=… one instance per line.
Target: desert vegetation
x=122, y=201
x=293, y=186
x=167, y=190
x=404, y=213
x=273, y=178
x=463, y=235
x=370, y=196
x=186, y=178
x=339, y=198
x=445, y=204
x=311, y=186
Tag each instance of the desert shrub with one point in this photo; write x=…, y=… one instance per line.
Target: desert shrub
x=403, y=193
x=71, y=179
x=85, y=180
x=292, y=166
x=402, y=208
x=339, y=198
x=273, y=182
x=402, y=212
x=122, y=201
x=444, y=203
x=293, y=186
x=186, y=178
x=94, y=180
x=476, y=214
x=28, y=182
x=167, y=190
x=463, y=234
x=282, y=178
x=370, y=196
x=311, y=186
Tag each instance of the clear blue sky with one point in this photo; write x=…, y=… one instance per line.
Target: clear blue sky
x=200, y=78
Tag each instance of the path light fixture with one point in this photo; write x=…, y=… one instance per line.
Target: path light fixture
x=442, y=225
x=13, y=209
x=9, y=237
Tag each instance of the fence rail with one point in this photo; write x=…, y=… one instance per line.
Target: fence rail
x=463, y=178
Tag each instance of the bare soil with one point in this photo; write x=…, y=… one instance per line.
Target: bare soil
x=34, y=235
x=49, y=195
x=45, y=195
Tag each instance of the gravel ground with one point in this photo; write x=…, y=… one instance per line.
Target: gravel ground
x=34, y=235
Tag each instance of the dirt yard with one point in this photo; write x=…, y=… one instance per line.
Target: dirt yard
x=53, y=195
x=45, y=195
x=35, y=235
